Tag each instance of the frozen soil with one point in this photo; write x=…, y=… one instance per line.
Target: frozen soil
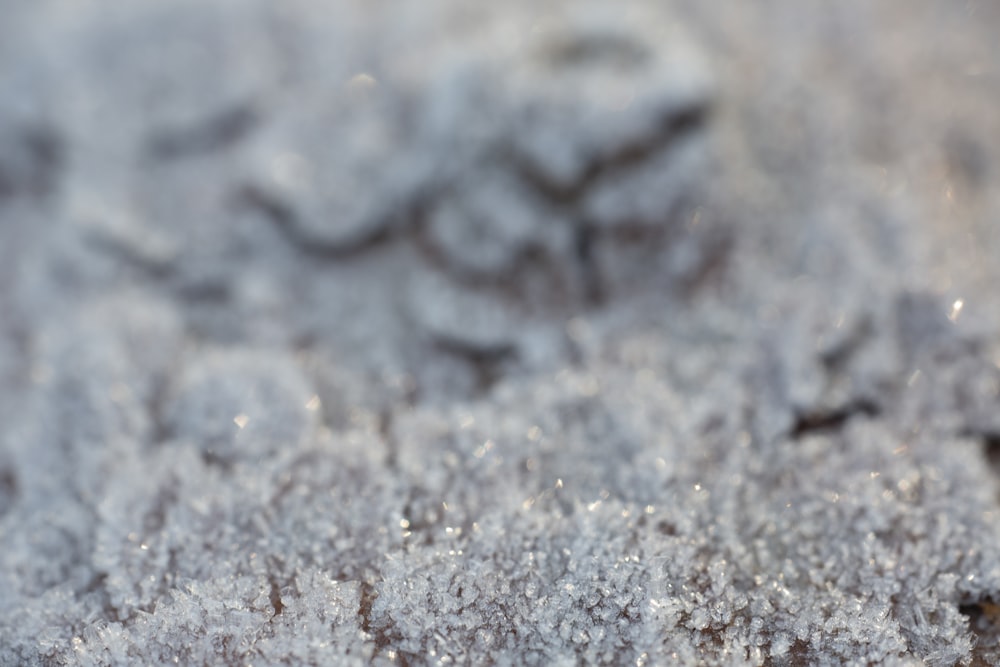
x=556, y=334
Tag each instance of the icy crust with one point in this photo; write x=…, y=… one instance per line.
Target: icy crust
x=320, y=613
x=789, y=550
x=349, y=356
x=597, y=516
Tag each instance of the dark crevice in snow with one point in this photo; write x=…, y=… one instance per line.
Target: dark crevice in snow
x=30, y=161
x=211, y=134
x=8, y=489
x=989, y=441
x=530, y=260
x=590, y=274
x=382, y=637
x=837, y=357
x=596, y=49
x=283, y=215
x=368, y=596
x=991, y=448
x=487, y=361
x=275, y=597
x=675, y=126
x=814, y=422
x=984, y=624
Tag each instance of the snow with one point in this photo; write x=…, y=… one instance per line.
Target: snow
x=494, y=336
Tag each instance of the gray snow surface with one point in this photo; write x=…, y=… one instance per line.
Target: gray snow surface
x=545, y=333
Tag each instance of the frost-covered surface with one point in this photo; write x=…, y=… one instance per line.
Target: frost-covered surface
x=573, y=333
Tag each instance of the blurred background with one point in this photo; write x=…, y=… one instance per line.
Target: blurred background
x=338, y=177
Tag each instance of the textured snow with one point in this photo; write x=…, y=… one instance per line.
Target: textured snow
x=579, y=334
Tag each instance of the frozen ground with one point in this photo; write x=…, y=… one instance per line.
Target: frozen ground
x=558, y=333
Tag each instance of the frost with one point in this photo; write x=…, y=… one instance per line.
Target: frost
x=494, y=334
x=240, y=406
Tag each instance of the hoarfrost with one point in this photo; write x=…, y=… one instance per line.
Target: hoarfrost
x=494, y=335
